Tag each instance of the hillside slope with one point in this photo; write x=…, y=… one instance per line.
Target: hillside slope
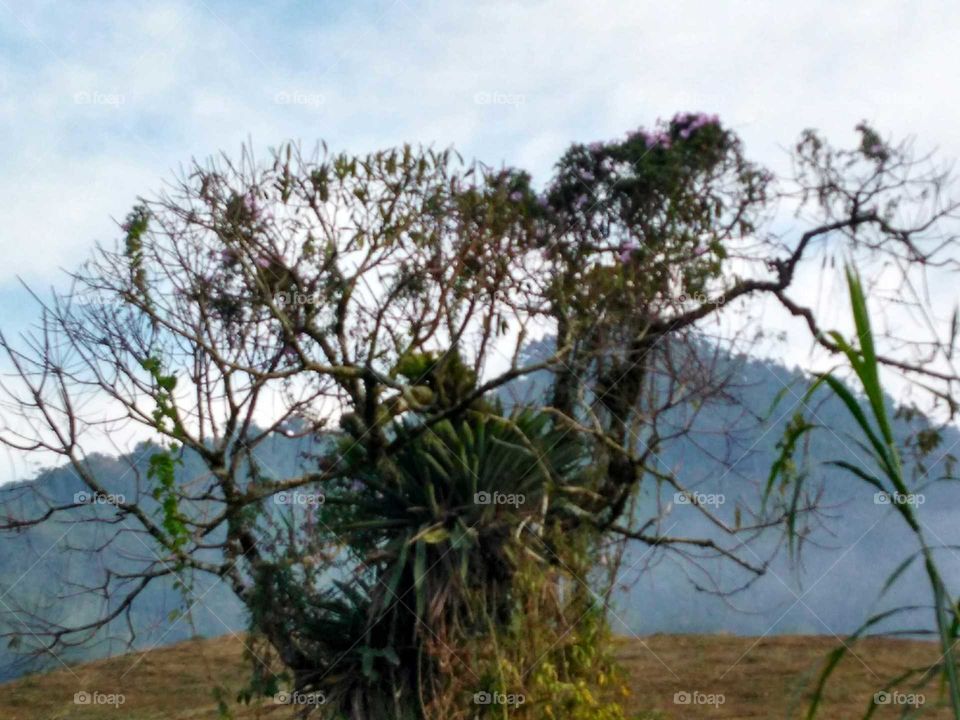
x=758, y=678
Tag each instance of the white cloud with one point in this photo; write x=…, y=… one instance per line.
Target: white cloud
x=199, y=77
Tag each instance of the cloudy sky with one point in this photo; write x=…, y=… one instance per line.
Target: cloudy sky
x=101, y=101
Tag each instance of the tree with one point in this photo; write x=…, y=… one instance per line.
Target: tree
x=379, y=304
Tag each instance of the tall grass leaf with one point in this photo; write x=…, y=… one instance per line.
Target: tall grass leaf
x=791, y=437
x=836, y=655
x=871, y=380
x=860, y=473
x=419, y=574
x=900, y=569
x=863, y=423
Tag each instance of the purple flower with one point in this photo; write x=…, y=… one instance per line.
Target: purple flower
x=701, y=121
x=262, y=261
x=664, y=139
x=228, y=256
x=690, y=123
x=250, y=203
x=516, y=196
x=595, y=147
x=627, y=250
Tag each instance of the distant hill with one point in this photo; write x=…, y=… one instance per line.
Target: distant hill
x=830, y=591
x=837, y=576
x=43, y=562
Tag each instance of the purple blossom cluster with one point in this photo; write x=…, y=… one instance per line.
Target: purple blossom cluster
x=689, y=123
x=652, y=138
x=627, y=250
x=257, y=211
x=685, y=123
x=250, y=203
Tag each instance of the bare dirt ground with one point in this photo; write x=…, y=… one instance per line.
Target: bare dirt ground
x=754, y=677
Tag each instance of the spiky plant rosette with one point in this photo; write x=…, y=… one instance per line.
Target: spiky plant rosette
x=434, y=537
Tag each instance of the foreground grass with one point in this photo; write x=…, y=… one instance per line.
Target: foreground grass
x=758, y=678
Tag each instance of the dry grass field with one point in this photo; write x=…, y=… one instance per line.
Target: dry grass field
x=758, y=678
